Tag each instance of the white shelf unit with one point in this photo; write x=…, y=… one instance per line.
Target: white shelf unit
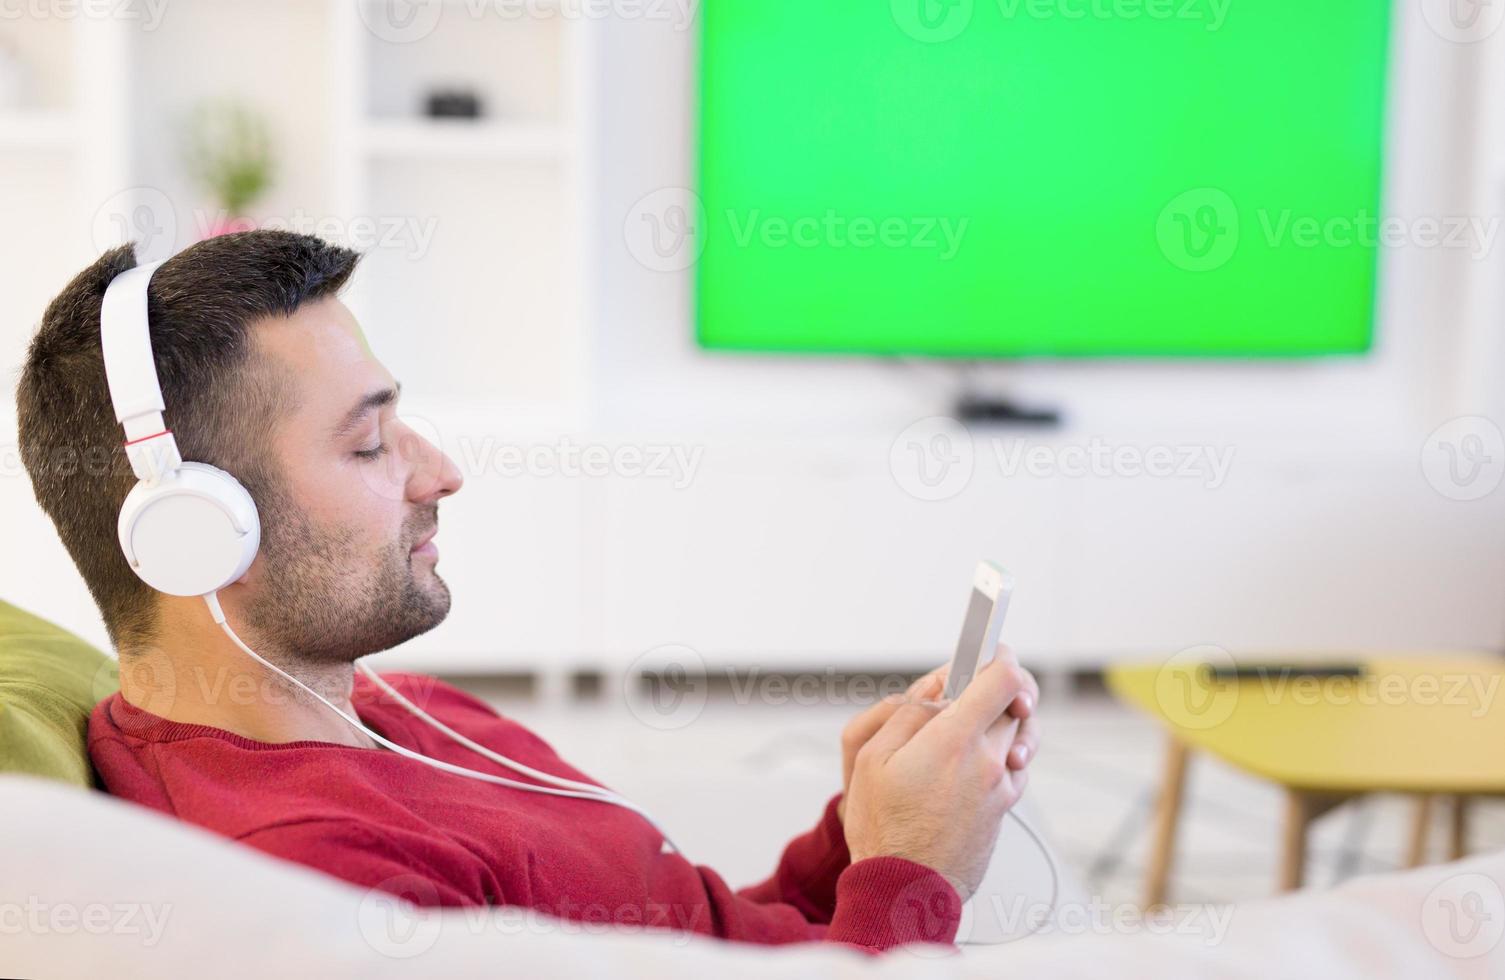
x=504, y=198
x=64, y=154
x=463, y=140
x=38, y=129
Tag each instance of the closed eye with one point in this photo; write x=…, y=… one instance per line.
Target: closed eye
x=369, y=454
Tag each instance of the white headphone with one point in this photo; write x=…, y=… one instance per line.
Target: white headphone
x=188, y=529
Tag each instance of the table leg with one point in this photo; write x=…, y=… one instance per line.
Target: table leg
x=1293, y=852
x=1416, y=856
x=1458, y=832
x=1302, y=807
x=1167, y=816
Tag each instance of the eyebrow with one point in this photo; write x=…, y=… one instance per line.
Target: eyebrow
x=370, y=400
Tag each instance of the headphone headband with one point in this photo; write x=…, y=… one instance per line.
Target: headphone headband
x=131, y=371
x=187, y=528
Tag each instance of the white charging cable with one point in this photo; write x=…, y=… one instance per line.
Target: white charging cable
x=559, y=786
x=1055, y=882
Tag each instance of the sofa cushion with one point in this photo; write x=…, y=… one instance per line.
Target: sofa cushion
x=179, y=897
x=49, y=682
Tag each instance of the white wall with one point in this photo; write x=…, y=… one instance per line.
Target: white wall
x=797, y=542
x=1326, y=535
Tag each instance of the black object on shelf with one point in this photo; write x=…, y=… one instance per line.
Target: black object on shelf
x=453, y=104
x=1003, y=411
x=1282, y=671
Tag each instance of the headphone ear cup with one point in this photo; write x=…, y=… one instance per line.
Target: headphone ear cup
x=194, y=532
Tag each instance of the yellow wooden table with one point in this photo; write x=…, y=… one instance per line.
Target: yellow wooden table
x=1423, y=725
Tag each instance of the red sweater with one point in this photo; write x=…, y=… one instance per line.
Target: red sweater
x=379, y=820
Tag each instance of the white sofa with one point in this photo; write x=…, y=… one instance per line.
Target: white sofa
x=93, y=887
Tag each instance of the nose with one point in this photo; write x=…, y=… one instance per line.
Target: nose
x=434, y=474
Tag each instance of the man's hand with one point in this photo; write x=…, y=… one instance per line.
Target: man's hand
x=929, y=688
x=933, y=783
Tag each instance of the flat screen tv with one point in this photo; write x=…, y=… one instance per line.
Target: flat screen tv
x=1016, y=178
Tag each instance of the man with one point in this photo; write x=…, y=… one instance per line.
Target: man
x=266, y=375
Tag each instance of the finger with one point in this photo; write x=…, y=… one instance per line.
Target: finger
x=984, y=700
x=861, y=728
x=1017, y=782
x=930, y=686
x=901, y=726
x=1026, y=743
x=1001, y=735
x=1024, y=705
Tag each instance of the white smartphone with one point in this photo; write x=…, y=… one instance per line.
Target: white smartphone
x=991, y=588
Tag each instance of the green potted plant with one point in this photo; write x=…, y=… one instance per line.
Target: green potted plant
x=228, y=150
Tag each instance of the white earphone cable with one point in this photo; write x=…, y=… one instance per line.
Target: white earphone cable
x=563, y=787
x=477, y=747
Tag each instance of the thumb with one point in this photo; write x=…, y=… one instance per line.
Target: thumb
x=901, y=726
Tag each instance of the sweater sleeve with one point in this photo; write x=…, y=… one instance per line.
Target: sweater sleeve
x=807, y=873
x=875, y=904
x=369, y=857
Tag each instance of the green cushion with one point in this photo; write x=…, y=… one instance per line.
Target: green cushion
x=49, y=682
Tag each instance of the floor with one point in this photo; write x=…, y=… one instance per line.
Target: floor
x=738, y=776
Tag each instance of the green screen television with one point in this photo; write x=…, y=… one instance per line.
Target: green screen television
x=1017, y=178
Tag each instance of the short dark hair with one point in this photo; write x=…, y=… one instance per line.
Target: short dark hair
x=221, y=401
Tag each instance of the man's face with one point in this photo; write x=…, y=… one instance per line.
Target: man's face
x=343, y=570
